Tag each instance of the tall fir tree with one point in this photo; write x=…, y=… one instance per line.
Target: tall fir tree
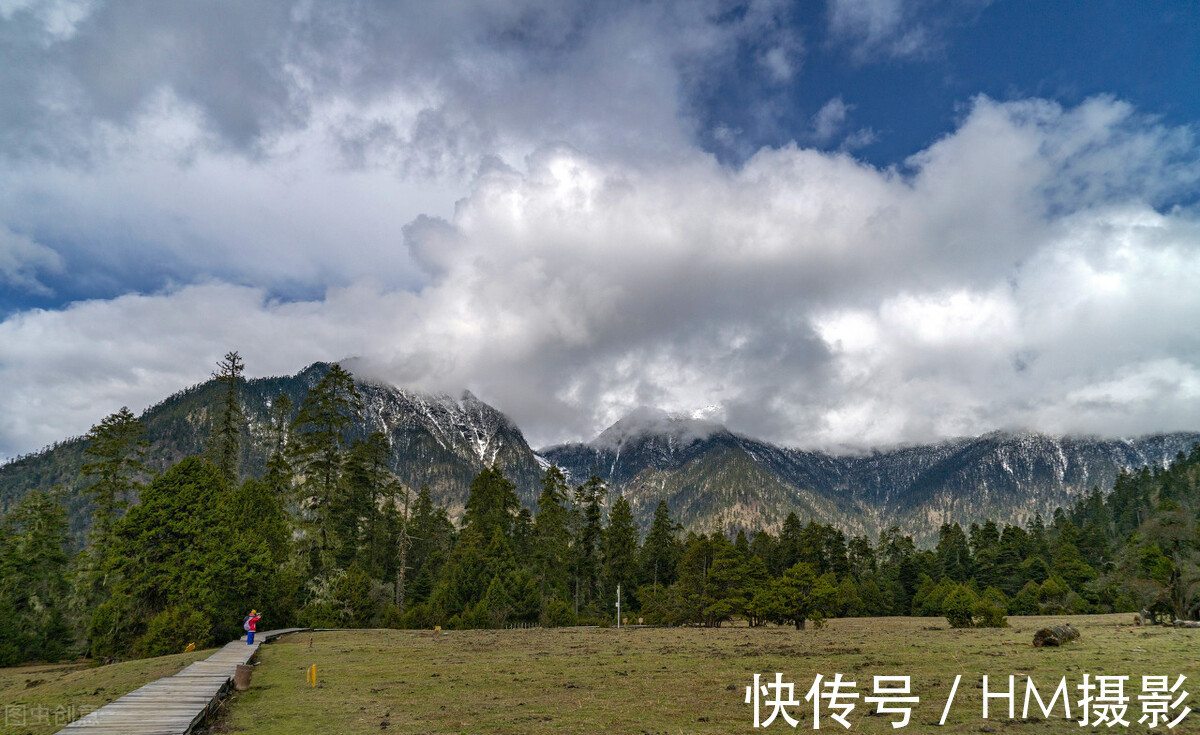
x=552, y=536
x=117, y=447
x=430, y=539
x=788, y=550
x=357, y=517
x=33, y=581
x=225, y=444
x=320, y=428
x=660, y=552
x=492, y=504
x=620, y=553
x=280, y=417
x=279, y=476
x=953, y=553
x=403, y=543
x=588, y=520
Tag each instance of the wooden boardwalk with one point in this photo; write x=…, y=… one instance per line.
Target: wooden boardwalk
x=173, y=705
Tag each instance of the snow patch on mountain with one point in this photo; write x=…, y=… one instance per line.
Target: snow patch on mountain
x=466, y=426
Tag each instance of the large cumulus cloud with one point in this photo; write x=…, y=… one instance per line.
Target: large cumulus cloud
x=1033, y=269
x=286, y=143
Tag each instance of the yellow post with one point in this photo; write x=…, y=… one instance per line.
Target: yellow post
x=311, y=678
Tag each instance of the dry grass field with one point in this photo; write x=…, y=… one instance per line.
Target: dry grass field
x=687, y=680
x=39, y=699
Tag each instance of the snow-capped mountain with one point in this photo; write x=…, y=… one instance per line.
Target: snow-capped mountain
x=1009, y=477
x=647, y=437
x=715, y=479
x=712, y=478
x=436, y=440
x=444, y=442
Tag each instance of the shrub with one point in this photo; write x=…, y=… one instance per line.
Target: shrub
x=419, y=616
x=392, y=617
x=558, y=613
x=172, y=630
x=988, y=613
x=319, y=614
x=112, y=626
x=959, y=606
x=1052, y=597
x=934, y=598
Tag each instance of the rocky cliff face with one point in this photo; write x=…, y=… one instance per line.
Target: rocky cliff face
x=445, y=442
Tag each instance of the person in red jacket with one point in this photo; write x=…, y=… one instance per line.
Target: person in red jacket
x=250, y=625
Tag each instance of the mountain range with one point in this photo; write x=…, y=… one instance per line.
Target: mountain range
x=711, y=478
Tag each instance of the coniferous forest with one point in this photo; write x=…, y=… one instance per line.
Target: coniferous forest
x=326, y=536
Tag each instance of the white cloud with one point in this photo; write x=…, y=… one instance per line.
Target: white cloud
x=829, y=119
x=883, y=30
x=829, y=122
x=21, y=259
x=779, y=64
x=58, y=19
x=287, y=144
x=877, y=27
x=170, y=200
x=813, y=299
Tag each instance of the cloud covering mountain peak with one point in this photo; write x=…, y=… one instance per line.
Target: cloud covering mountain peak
x=655, y=424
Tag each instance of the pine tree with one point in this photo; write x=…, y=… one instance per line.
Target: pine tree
x=403, y=543
x=33, y=580
x=620, y=551
x=116, y=446
x=279, y=478
x=492, y=504
x=552, y=537
x=756, y=581
x=660, y=552
x=329, y=409
x=11, y=649
x=899, y=568
x=463, y=579
x=953, y=553
x=430, y=538
x=711, y=580
x=795, y=595
x=225, y=445
x=280, y=418
x=860, y=558
x=587, y=562
x=763, y=546
x=729, y=587
x=357, y=516
x=788, y=549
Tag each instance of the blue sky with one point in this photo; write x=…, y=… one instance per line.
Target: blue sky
x=832, y=224
x=1144, y=53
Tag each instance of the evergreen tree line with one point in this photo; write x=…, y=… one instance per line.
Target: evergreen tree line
x=329, y=537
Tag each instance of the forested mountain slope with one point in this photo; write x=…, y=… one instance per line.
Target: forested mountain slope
x=710, y=477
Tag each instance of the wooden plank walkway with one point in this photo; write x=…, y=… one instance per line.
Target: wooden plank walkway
x=173, y=705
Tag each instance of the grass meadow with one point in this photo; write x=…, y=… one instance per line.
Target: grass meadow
x=640, y=680
x=690, y=680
